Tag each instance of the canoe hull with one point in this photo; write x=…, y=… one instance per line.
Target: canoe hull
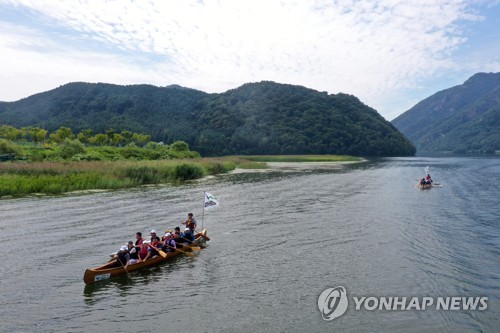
x=107, y=271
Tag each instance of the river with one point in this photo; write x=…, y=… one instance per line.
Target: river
x=278, y=239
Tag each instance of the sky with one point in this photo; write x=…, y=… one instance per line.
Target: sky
x=389, y=53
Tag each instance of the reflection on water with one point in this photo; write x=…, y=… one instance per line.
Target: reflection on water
x=278, y=239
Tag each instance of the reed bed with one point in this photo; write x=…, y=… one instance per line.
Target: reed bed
x=23, y=178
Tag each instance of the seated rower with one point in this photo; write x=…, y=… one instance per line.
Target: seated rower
x=138, y=239
x=187, y=236
x=164, y=236
x=122, y=256
x=153, y=248
x=153, y=234
x=169, y=243
x=133, y=254
x=144, y=249
x=176, y=236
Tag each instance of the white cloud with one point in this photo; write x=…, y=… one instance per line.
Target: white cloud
x=367, y=48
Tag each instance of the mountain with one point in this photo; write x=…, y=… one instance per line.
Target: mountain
x=256, y=118
x=464, y=118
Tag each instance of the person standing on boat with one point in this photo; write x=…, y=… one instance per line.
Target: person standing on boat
x=190, y=222
x=169, y=243
x=133, y=254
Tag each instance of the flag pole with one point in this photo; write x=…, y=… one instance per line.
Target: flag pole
x=203, y=212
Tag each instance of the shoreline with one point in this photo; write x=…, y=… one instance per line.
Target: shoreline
x=296, y=166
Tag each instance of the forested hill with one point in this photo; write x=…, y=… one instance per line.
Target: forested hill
x=461, y=119
x=256, y=118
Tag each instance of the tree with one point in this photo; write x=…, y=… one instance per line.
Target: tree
x=127, y=135
x=85, y=135
x=71, y=147
x=117, y=139
x=98, y=140
x=29, y=133
x=10, y=133
x=62, y=134
x=110, y=133
x=40, y=135
x=7, y=147
x=141, y=139
x=179, y=146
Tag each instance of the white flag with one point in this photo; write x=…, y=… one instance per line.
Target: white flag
x=426, y=170
x=210, y=201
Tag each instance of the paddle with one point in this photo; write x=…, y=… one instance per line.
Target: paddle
x=118, y=259
x=186, y=253
x=192, y=247
x=163, y=254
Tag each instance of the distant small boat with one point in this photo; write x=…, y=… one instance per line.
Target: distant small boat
x=111, y=270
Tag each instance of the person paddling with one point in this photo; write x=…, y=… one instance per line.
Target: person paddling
x=187, y=236
x=122, y=256
x=144, y=250
x=176, y=236
x=133, y=254
x=153, y=234
x=169, y=244
x=152, y=251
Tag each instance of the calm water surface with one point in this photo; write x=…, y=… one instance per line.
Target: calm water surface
x=277, y=241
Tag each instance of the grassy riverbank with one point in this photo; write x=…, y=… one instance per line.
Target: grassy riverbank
x=56, y=177
x=21, y=178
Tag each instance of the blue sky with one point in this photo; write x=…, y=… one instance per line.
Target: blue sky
x=389, y=53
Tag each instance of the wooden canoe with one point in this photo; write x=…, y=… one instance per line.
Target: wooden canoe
x=110, y=270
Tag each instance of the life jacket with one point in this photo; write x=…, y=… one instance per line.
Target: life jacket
x=190, y=224
x=171, y=245
x=143, y=252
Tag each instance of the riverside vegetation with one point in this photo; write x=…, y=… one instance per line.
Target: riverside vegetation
x=61, y=162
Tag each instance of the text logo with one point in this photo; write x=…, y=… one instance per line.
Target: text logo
x=332, y=303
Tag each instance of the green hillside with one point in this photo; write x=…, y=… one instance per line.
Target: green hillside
x=256, y=118
x=465, y=118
